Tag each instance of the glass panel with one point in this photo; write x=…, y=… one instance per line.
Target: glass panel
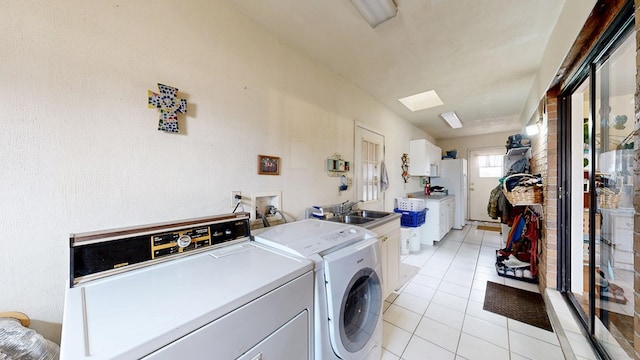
x=363, y=172
x=608, y=223
x=490, y=160
x=490, y=171
x=581, y=170
x=490, y=166
x=370, y=168
x=614, y=108
x=361, y=309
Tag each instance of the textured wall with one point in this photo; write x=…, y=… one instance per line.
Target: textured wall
x=80, y=149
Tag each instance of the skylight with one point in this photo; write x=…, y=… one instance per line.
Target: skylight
x=425, y=100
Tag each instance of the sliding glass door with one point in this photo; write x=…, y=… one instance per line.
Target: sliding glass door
x=599, y=116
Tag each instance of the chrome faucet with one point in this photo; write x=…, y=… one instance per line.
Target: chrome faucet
x=347, y=206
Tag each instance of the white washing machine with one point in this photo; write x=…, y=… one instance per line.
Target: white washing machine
x=348, y=285
x=196, y=289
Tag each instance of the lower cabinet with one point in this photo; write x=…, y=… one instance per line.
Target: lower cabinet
x=439, y=220
x=389, y=235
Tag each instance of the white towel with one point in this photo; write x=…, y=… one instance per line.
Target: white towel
x=384, y=177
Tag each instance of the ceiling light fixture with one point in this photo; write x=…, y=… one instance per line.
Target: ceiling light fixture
x=452, y=119
x=533, y=129
x=376, y=11
x=424, y=100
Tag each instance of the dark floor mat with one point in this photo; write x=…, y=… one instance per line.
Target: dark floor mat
x=525, y=306
x=489, y=228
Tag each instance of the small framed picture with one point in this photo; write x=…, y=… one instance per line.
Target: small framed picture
x=268, y=165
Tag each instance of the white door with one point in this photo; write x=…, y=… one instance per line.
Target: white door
x=485, y=168
x=369, y=153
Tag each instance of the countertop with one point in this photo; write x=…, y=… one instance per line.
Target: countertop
x=421, y=195
x=369, y=225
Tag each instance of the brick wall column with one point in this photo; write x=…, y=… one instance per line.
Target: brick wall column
x=544, y=156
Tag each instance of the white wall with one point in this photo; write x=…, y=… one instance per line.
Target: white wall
x=80, y=149
x=572, y=18
x=463, y=144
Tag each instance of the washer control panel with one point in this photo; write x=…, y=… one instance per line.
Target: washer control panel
x=99, y=254
x=179, y=241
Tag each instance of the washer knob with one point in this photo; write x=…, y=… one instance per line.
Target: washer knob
x=184, y=241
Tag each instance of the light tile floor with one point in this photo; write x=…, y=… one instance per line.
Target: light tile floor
x=438, y=314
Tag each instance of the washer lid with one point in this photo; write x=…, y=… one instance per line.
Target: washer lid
x=139, y=311
x=312, y=236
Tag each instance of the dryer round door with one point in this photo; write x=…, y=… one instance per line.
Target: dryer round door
x=354, y=297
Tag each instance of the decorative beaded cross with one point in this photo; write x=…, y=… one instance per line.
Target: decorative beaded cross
x=169, y=106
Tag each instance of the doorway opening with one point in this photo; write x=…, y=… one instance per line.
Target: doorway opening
x=485, y=169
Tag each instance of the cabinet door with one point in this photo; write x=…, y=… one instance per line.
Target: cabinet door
x=437, y=157
x=384, y=256
x=419, y=158
x=431, y=225
x=452, y=213
x=393, y=259
x=444, y=216
x=389, y=235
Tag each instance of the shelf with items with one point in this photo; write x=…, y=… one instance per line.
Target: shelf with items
x=523, y=190
x=519, y=258
x=516, y=271
x=338, y=165
x=513, y=156
x=519, y=186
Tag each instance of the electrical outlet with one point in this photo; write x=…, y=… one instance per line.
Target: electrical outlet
x=235, y=196
x=350, y=182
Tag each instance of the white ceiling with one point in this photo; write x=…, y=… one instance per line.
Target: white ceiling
x=481, y=56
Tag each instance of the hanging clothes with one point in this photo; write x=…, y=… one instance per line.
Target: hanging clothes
x=522, y=241
x=384, y=177
x=515, y=234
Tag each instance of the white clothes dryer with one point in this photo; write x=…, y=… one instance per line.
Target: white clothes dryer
x=194, y=289
x=348, y=285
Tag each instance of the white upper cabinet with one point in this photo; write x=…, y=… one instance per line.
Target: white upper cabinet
x=437, y=161
x=424, y=157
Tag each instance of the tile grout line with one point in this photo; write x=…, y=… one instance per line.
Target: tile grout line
x=433, y=255
x=467, y=307
x=469, y=295
x=430, y=302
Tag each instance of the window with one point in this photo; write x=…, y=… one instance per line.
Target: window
x=369, y=156
x=490, y=166
x=370, y=170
